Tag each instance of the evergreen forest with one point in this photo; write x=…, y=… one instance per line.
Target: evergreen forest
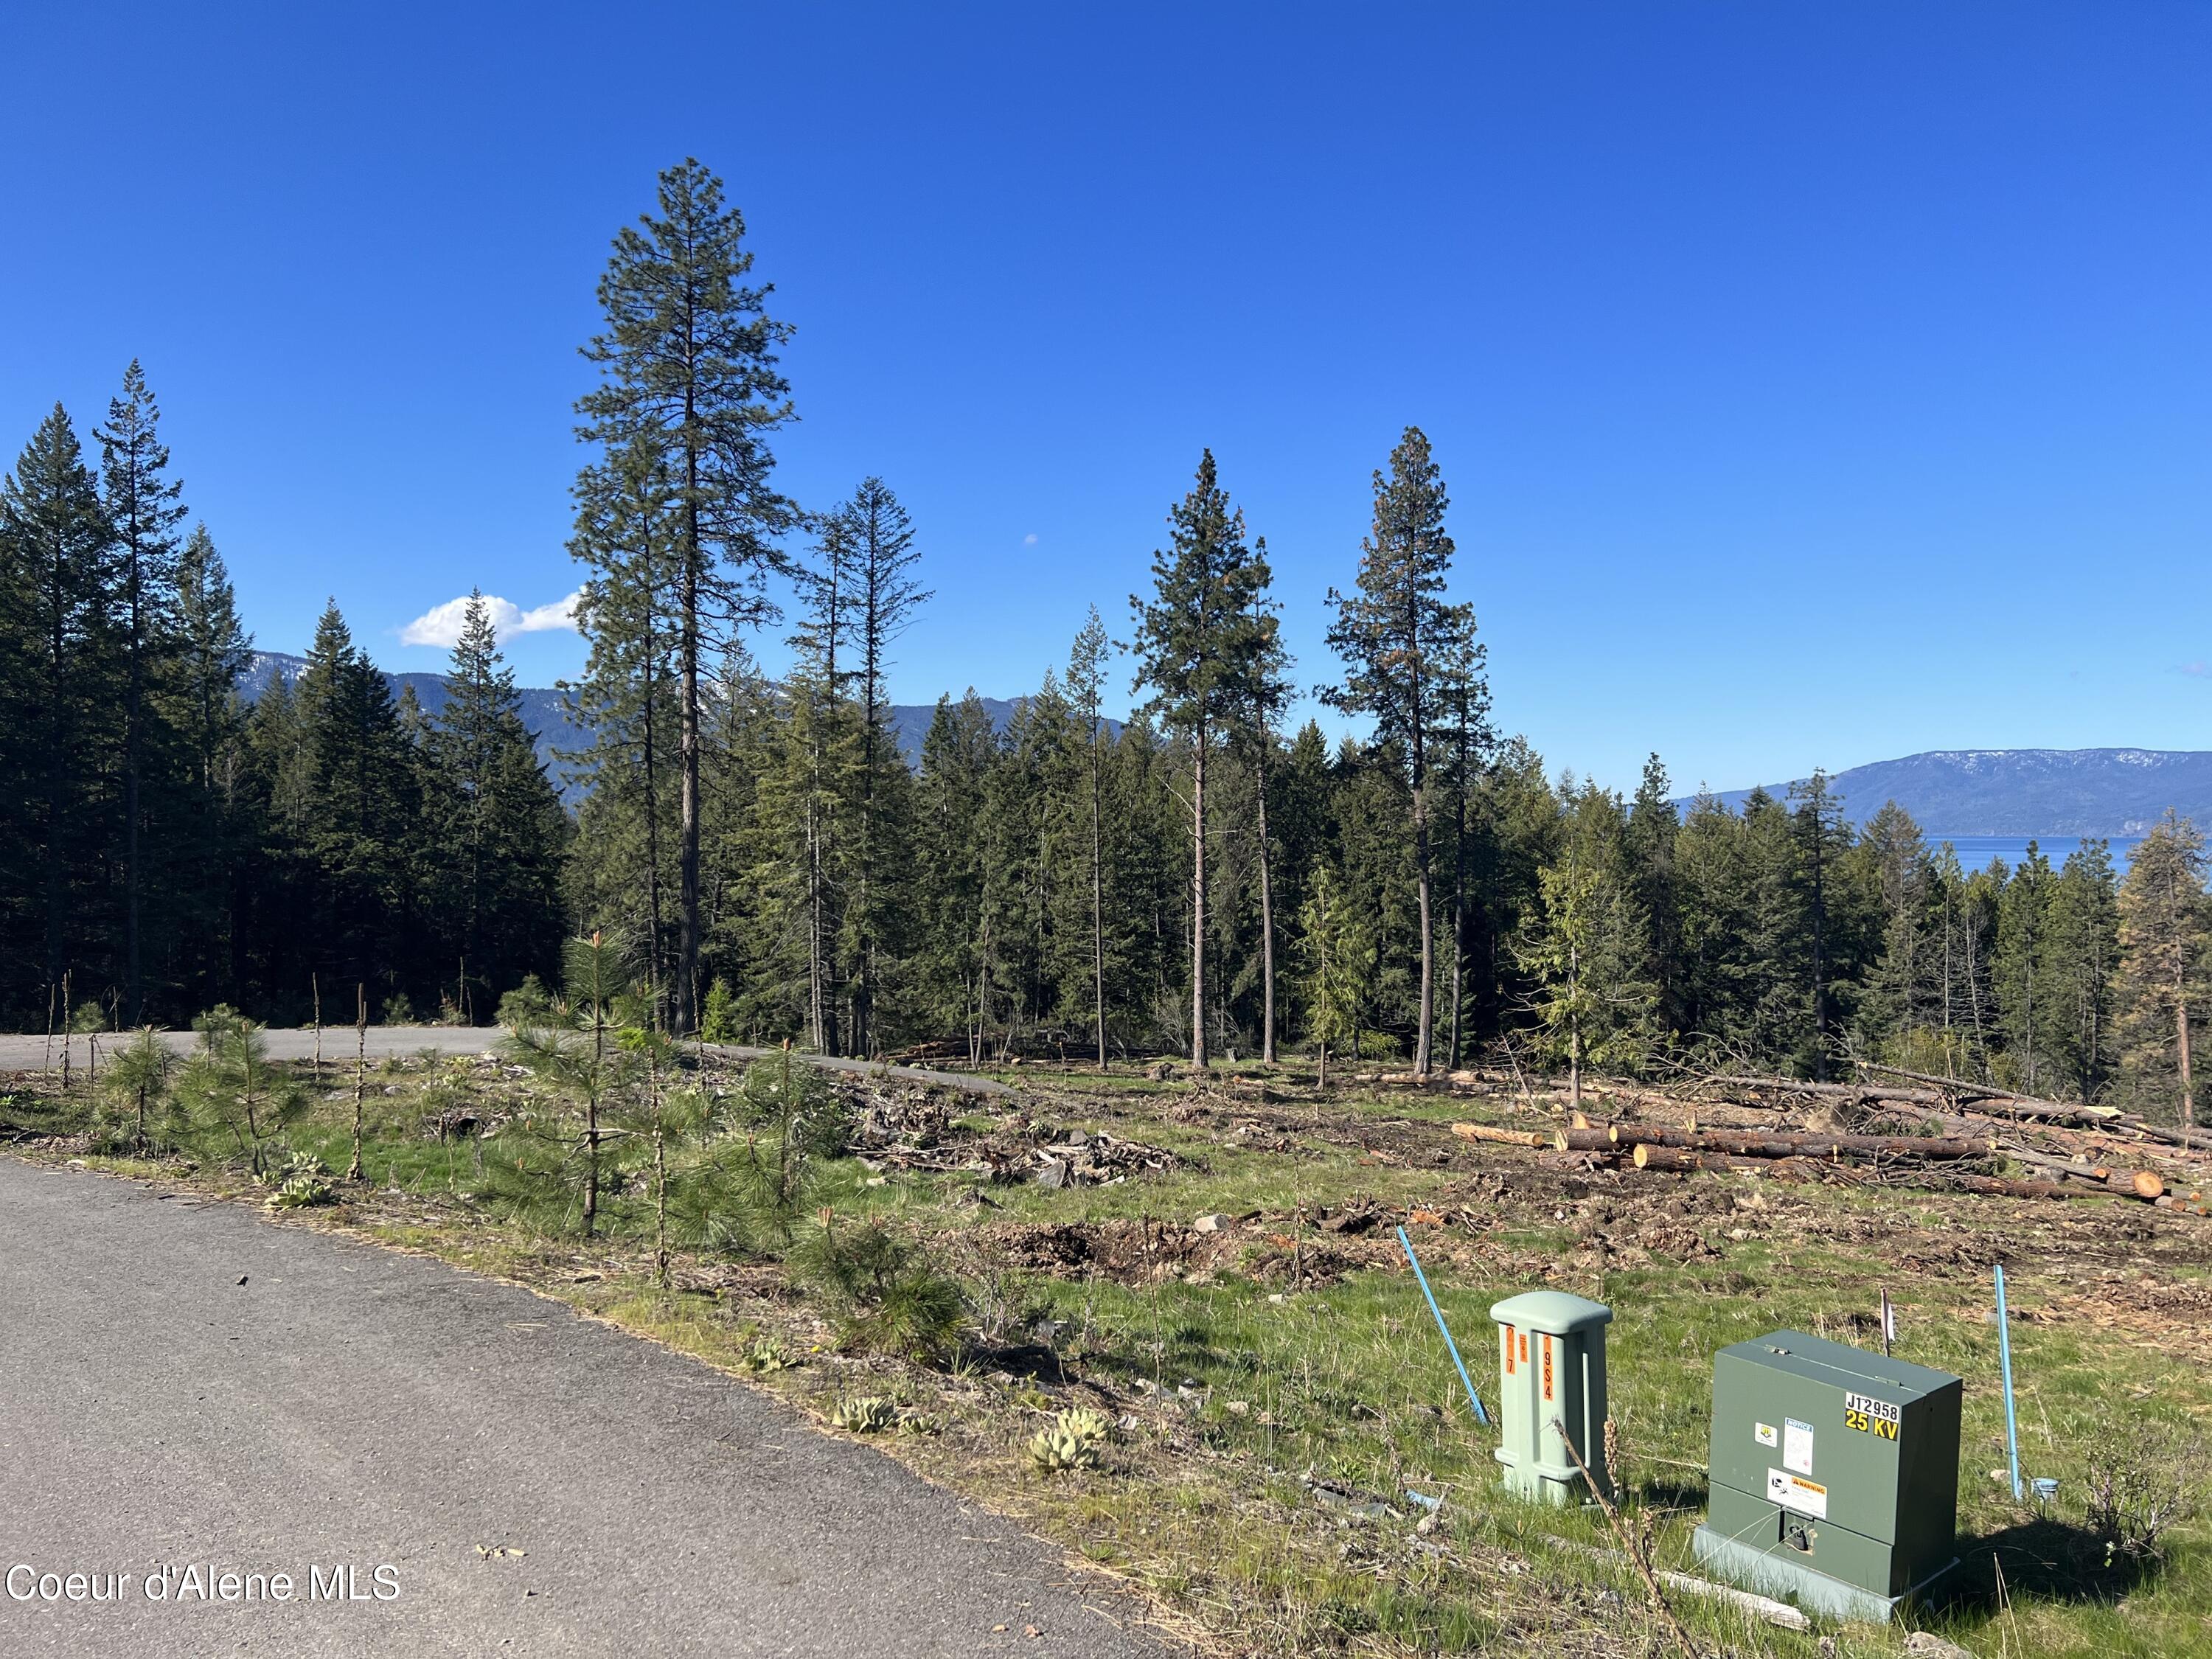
x=1151, y=858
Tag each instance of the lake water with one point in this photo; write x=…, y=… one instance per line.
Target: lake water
x=1976, y=851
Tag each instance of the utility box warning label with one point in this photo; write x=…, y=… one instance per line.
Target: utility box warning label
x=1795, y=1493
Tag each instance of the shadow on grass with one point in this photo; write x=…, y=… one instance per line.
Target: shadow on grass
x=2043, y=1560
x=1671, y=1492
x=1030, y=1361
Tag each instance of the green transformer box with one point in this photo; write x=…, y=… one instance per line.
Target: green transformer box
x=1834, y=1474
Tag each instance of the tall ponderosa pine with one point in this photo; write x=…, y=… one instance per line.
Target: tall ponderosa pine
x=1393, y=632
x=879, y=539
x=688, y=361
x=1197, y=645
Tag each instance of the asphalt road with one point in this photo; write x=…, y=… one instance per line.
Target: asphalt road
x=31, y=1051
x=183, y=1383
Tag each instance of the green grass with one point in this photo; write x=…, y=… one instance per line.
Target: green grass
x=1240, y=1381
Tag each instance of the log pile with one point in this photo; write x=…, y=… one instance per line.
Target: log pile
x=2088, y=1150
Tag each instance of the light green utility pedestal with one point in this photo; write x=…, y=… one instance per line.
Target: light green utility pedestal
x=1551, y=1378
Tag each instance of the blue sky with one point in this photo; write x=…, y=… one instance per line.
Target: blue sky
x=1815, y=385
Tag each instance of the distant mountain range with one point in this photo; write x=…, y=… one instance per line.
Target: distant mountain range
x=544, y=714
x=2028, y=792
x=1949, y=792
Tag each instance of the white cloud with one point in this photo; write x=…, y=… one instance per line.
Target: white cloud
x=440, y=624
x=1029, y=540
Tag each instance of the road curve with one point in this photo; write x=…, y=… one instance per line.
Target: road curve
x=182, y=1383
x=32, y=1051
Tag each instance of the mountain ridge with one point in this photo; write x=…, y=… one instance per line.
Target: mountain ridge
x=2120, y=791
x=2112, y=793
x=546, y=716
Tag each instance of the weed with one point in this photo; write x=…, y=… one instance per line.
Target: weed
x=869, y=1413
x=1076, y=1440
x=2143, y=1481
x=301, y=1181
x=766, y=1354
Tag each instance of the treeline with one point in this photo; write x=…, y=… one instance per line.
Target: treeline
x=168, y=847
x=1199, y=878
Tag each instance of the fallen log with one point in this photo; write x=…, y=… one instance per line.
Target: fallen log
x=2003, y=1187
x=1582, y=1140
x=1982, y=1096
x=1768, y=1143
x=1648, y=1157
x=1853, y=1093
x=2132, y=1183
x=1686, y=1160
x=2192, y=1140
x=2051, y=1111
x=1506, y=1137
x=1949, y=1085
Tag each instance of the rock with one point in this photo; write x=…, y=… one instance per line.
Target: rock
x=1053, y=1172
x=1211, y=1224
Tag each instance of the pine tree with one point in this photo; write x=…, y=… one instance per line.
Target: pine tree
x=1904, y=978
x=1266, y=695
x=56, y=587
x=2023, y=925
x=1087, y=692
x=2081, y=955
x=1648, y=848
x=356, y=816
x=627, y=519
x=1513, y=827
x=688, y=362
x=202, y=706
x=957, y=760
x=1822, y=835
x=1196, y=647
x=1339, y=949
x=1395, y=634
x=2165, y=931
x=1585, y=945
x=885, y=596
x=504, y=832
x=143, y=512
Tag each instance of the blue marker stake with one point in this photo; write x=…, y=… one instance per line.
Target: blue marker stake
x=2004, y=1353
x=1473, y=1398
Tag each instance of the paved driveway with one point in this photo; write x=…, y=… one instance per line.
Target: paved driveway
x=184, y=1385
